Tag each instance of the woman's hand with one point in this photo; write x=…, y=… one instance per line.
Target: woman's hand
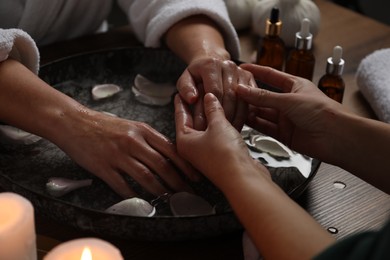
x=107, y=146
x=111, y=147
x=199, y=41
x=217, y=76
x=299, y=117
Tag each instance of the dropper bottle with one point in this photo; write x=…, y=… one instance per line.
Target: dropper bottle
x=300, y=61
x=271, y=51
x=332, y=84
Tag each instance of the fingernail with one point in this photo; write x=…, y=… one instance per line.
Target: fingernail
x=242, y=86
x=191, y=97
x=211, y=96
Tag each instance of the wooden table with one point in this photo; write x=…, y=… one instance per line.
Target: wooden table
x=356, y=207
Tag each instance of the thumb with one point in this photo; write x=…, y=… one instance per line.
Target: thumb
x=212, y=108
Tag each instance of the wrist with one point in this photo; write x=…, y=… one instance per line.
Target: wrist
x=342, y=127
x=67, y=123
x=199, y=36
x=216, y=53
x=237, y=172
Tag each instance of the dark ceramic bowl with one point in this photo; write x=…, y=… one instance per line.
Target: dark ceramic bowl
x=25, y=169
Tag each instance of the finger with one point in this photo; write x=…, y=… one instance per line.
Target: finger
x=265, y=113
x=212, y=78
x=271, y=76
x=262, y=125
x=183, y=118
x=230, y=78
x=164, y=168
x=261, y=97
x=143, y=176
x=240, y=115
x=165, y=147
x=213, y=109
x=242, y=109
x=200, y=121
x=186, y=87
x=117, y=183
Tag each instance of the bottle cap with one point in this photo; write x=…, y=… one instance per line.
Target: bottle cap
x=303, y=38
x=335, y=64
x=273, y=25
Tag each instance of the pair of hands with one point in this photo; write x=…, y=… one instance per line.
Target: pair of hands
x=295, y=117
x=111, y=147
x=220, y=77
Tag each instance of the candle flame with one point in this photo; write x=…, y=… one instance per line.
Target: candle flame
x=86, y=255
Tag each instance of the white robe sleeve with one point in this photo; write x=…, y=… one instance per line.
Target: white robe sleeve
x=151, y=19
x=18, y=45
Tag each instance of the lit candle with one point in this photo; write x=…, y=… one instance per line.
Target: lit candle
x=17, y=230
x=84, y=249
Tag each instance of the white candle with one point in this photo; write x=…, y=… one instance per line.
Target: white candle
x=84, y=249
x=17, y=230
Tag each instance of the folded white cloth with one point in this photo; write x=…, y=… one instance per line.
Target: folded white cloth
x=373, y=80
x=17, y=44
x=152, y=19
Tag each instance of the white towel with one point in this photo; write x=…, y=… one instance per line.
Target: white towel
x=152, y=19
x=373, y=80
x=17, y=44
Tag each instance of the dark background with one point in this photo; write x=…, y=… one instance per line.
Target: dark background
x=377, y=10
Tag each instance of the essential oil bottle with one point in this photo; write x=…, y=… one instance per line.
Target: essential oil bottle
x=301, y=61
x=332, y=84
x=271, y=51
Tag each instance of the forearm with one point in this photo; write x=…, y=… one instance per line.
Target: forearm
x=363, y=148
x=271, y=218
x=29, y=103
x=195, y=37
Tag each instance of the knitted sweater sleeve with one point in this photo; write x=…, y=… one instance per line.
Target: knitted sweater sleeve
x=151, y=19
x=18, y=45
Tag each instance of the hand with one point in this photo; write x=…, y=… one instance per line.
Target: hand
x=109, y=147
x=215, y=149
x=220, y=153
x=299, y=117
x=217, y=76
x=104, y=145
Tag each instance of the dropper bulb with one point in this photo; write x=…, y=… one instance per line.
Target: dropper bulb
x=274, y=18
x=337, y=54
x=305, y=28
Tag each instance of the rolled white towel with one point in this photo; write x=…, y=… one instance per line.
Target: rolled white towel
x=373, y=80
x=17, y=44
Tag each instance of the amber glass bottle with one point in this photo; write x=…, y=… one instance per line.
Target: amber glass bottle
x=271, y=50
x=301, y=61
x=332, y=84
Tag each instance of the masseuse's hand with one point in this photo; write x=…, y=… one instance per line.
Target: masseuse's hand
x=216, y=150
x=217, y=76
x=300, y=117
x=111, y=147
